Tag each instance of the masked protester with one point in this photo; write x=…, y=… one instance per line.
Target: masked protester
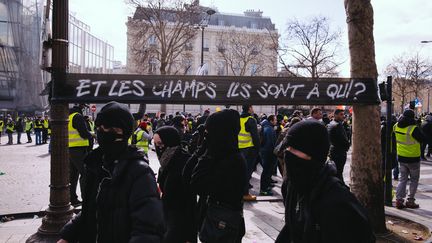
x=318, y=206
x=178, y=201
x=219, y=177
x=121, y=201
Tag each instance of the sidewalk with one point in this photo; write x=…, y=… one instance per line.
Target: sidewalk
x=24, y=188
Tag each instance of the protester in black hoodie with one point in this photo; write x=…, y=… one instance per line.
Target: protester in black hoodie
x=178, y=201
x=220, y=175
x=318, y=206
x=121, y=202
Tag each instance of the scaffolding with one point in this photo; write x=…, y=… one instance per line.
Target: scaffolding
x=21, y=79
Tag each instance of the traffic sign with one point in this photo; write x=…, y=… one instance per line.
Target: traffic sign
x=93, y=108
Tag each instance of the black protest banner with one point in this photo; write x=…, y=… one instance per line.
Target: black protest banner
x=157, y=89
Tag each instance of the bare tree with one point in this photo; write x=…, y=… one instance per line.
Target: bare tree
x=410, y=76
x=366, y=175
x=159, y=31
x=244, y=54
x=310, y=48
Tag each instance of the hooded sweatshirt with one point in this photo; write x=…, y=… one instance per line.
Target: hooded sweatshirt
x=221, y=170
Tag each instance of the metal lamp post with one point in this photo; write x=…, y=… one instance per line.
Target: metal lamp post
x=202, y=25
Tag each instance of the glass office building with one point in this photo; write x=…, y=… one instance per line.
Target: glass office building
x=87, y=53
x=21, y=34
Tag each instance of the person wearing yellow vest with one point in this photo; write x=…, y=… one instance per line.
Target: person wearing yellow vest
x=38, y=130
x=1, y=126
x=28, y=128
x=79, y=142
x=408, y=138
x=248, y=143
x=10, y=127
x=45, y=126
x=143, y=135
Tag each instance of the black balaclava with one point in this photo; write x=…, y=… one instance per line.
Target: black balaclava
x=170, y=138
x=116, y=115
x=222, y=133
x=311, y=138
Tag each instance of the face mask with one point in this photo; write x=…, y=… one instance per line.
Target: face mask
x=301, y=172
x=159, y=151
x=111, y=143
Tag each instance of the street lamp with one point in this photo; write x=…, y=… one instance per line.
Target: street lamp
x=202, y=25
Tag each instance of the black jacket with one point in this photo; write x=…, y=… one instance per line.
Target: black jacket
x=79, y=123
x=417, y=135
x=178, y=200
x=19, y=126
x=122, y=206
x=329, y=213
x=338, y=138
x=252, y=127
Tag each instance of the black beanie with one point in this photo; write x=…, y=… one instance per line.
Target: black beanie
x=223, y=128
x=409, y=113
x=117, y=115
x=311, y=138
x=169, y=135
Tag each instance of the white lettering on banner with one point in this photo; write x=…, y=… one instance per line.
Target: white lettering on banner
x=98, y=85
x=84, y=84
x=362, y=89
x=314, y=91
x=193, y=89
x=276, y=90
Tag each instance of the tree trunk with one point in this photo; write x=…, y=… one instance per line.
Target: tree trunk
x=366, y=175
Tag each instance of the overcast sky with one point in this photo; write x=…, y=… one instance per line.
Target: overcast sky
x=399, y=27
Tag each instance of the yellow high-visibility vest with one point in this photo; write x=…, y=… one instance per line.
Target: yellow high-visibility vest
x=142, y=143
x=406, y=145
x=1, y=125
x=244, y=137
x=28, y=126
x=10, y=127
x=75, y=140
x=45, y=124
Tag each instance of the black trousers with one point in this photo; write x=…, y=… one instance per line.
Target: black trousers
x=76, y=169
x=250, y=155
x=339, y=159
x=29, y=139
x=44, y=135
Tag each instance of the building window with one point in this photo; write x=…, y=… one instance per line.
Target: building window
x=221, y=22
x=254, y=25
x=254, y=69
x=152, y=40
x=221, y=68
x=206, y=45
x=187, y=65
x=152, y=65
x=188, y=46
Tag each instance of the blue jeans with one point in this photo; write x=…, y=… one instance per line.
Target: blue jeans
x=38, y=137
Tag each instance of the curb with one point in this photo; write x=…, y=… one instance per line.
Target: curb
x=405, y=214
x=27, y=215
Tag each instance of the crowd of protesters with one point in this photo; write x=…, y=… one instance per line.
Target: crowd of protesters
x=206, y=166
x=206, y=163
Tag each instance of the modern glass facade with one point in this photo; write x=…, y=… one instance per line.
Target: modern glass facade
x=88, y=54
x=21, y=35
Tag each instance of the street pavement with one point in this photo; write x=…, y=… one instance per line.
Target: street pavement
x=24, y=189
